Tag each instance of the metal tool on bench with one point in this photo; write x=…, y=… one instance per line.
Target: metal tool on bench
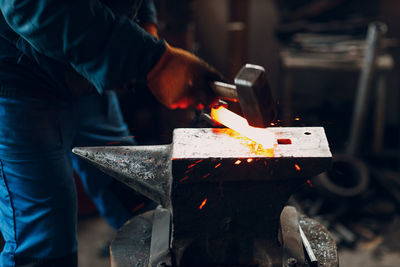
x=252, y=91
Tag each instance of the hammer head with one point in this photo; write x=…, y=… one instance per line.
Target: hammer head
x=255, y=96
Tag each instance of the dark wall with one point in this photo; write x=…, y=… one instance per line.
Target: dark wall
x=315, y=92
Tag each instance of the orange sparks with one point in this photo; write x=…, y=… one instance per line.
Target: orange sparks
x=216, y=166
x=138, y=207
x=297, y=167
x=249, y=160
x=194, y=164
x=113, y=143
x=205, y=176
x=272, y=124
x=238, y=162
x=296, y=119
x=309, y=183
x=184, y=179
x=240, y=125
x=188, y=170
x=203, y=203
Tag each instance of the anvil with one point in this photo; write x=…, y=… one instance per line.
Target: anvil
x=220, y=194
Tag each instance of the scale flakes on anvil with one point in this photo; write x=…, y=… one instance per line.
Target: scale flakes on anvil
x=219, y=188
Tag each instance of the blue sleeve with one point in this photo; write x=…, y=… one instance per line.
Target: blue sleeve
x=108, y=50
x=147, y=12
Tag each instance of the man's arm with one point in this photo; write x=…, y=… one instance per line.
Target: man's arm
x=108, y=50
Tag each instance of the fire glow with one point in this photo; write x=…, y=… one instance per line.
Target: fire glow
x=240, y=125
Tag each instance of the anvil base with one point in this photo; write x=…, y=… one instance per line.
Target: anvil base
x=131, y=246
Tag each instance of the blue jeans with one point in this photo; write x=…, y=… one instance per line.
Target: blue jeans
x=38, y=206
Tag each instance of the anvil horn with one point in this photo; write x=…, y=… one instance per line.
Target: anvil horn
x=147, y=169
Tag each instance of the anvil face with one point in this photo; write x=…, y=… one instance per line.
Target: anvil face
x=296, y=152
x=209, y=143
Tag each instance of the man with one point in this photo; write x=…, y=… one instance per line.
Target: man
x=44, y=44
x=100, y=123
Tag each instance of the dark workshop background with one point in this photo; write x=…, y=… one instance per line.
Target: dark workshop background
x=230, y=33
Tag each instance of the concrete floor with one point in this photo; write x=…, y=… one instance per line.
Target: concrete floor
x=368, y=258
x=382, y=251
x=94, y=233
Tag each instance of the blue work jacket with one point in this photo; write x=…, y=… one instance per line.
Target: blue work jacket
x=41, y=41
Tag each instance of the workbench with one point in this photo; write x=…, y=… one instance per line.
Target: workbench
x=293, y=61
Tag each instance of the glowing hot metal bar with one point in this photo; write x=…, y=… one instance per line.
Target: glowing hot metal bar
x=240, y=125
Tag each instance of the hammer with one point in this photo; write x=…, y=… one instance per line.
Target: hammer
x=252, y=91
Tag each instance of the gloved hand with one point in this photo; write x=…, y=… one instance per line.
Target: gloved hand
x=182, y=80
x=150, y=28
